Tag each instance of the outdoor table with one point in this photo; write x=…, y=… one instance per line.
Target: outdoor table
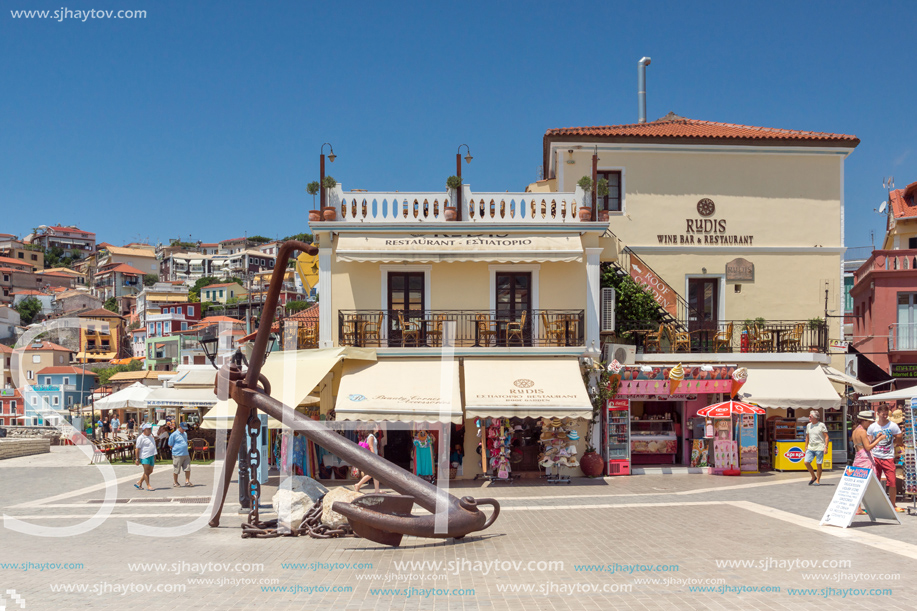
x=703, y=338
x=776, y=332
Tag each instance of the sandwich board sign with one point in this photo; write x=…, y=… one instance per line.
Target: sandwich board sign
x=858, y=486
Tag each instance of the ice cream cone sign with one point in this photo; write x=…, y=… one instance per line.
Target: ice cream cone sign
x=739, y=377
x=615, y=369
x=676, y=376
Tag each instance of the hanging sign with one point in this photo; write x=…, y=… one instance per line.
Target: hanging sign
x=858, y=486
x=740, y=270
x=661, y=291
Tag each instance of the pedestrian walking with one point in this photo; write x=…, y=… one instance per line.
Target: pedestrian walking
x=130, y=426
x=863, y=445
x=106, y=428
x=369, y=442
x=115, y=426
x=181, y=461
x=145, y=455
x=888, y=435
x=816, y=444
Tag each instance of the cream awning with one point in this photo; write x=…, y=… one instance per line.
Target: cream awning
x=481, y=247
x=294, y=374
x=842, y=378
x=784, y=385
x=405, y=390
x=904, y=394
x=522, y=387
x=181, y=397
x=221, y=415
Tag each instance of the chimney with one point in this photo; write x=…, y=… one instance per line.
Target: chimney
x=641, y=87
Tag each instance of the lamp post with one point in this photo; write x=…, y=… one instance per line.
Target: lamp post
x=458, y=172
x=321, y=172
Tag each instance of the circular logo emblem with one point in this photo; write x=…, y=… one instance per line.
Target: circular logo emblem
x=523, y=383
x=794, y=454
x=706, y=207
x=356, y=398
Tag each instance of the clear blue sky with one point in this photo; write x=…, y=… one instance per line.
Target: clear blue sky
x=206, y=118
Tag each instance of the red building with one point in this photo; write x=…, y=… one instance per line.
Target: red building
x=11, y=406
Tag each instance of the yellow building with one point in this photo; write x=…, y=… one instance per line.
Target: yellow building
x=221, y=293
x=102, y=336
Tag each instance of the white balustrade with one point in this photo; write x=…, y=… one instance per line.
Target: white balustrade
x=482, y=208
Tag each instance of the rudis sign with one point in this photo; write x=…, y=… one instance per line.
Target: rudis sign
x=661, y=291
x=794, y=454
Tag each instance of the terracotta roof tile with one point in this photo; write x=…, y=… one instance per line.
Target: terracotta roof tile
x=309, y=315
x=903, y=201
x=67, y=370
x=100, y=313
x=71, y=230
x=47, y=346
x=123, y=268
x=673, y=126
x=19, y=262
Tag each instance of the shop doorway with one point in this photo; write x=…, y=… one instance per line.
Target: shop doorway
x=405, y=300
x=656, y=432
x=398, y=447
x=514, y=296
x=703, y=297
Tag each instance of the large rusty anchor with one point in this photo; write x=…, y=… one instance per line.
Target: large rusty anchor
x=383, y=518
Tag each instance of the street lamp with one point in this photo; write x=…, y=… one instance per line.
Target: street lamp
x=458, y=172
x=321, y=171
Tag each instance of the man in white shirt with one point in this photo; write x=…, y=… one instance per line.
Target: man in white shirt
x=816, y=446
x=145, y=455
x=883, y=454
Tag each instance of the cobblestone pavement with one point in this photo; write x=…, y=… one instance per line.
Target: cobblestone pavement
x=649, y=542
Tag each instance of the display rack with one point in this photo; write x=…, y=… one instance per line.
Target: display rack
x=495, y=447
x=555, y=442
x=910, y=456
x=836, y=423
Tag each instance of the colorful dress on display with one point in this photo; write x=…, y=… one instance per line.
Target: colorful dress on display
x=423, y=456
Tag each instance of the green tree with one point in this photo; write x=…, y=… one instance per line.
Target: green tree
x=632, y=301
x=300, y=237
x=312, y=189
x=150, y=279
x=111, y=304
x=106, y=374
x=28, y=309
x=259, y=239
x=195, y=293
x=297, y=306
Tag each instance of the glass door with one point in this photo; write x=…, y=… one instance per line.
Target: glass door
x=703, y=298
x=514, y=300
x=906, y=336
x=405, y=301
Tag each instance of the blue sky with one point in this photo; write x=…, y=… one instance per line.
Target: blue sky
x=206, y=118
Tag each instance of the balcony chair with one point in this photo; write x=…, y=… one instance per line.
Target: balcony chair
x=761, y=340
x=373, y=330
x=350, y=331
x=308, y=336
x=408, y=329
x=436, y=331
x=682, y=340
x=486, y=328
x=554, y=331
x=723, y=339
x=653, y=339
x=793, y=341
x=516, y=329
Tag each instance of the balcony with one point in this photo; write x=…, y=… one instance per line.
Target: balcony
x=887, y=261
x=473, y=328
x=902, y=337
x=165, y=317
x=477, y=208
x=726, y=336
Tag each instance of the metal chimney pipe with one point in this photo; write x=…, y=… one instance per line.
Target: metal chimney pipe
x=641, y=87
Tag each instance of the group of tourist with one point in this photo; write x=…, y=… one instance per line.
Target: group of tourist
x=148, y=448
x=111, y=428
x=875, y=438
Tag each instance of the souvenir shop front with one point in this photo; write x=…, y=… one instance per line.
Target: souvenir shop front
x=525, y=417
x=415, y=404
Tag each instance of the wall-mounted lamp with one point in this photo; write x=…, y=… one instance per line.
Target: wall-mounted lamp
x=570, y=156
x=703, y=270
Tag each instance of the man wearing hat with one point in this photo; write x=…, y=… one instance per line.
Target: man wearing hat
x=816, y=445
x=888, y=435
x=181, y=461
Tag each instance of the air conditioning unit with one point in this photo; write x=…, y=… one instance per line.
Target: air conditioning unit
x=623, y=353
x=607, y=309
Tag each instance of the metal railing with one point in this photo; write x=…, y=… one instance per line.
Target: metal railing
x=727, y=336
x=902, y=337
x=473, y=328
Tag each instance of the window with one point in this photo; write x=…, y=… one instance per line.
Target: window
x=66, y=381
x=47, y=381
x=912, y=242
x=34, y=257
x=612, y=201
x=221, y=292
x=55, y=400
x=28, y=374
x=34, y=400
x=21, y=255
x=69, y=400
x=184, y=326
x=60, y=359
x=190, y=310
x=13, y=406
x=36, y=358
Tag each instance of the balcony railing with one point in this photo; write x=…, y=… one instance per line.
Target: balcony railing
x=727, y=336
x=473, y=328
x=364, y=207
x=888, y=260
x=902, y=337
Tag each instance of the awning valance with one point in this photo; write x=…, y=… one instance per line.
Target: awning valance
x=842, y=378
x=405, y=390
x=181, y=397
x=294, y=374
x=904, y=394
x=445, y=248
x=521, y=387
x=782, y=386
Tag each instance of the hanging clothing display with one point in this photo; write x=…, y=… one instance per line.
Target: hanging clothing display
x=423, y=455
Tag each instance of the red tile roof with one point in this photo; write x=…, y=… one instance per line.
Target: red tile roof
x=123, y=268
x=219, y=286
x=19, y=262
x=100, y=313
x=47, y=346
x=72, y=230
x=67, y=370
x=5, y=349
x=308, y=317
x=27, y=292
x=903, y=201
x=674, y=127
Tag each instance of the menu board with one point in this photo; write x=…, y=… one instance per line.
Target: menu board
x=748, y=436
x=858, y=486
x=699, y=453
x=725, y=455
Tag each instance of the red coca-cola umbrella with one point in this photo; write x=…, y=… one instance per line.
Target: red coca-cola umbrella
x=728, y=408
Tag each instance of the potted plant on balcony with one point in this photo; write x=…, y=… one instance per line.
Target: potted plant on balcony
x=601, y=190
x=605, y=388
x=312, y=189
x=329, y=213
x=816, y=324
x=453, y=184
x=585, y=212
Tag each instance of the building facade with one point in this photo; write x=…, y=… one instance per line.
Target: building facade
x=60, y=389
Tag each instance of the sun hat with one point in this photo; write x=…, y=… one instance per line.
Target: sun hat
x=556, y=423
x=146, y=425
x=896, y=416
x=867, y=414
x=573, y=435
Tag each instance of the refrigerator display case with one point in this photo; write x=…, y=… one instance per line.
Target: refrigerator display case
x=653, y=442
x=617, y=437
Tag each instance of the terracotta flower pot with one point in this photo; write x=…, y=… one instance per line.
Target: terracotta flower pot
x=329, y=213
x=585, y=214
x=451, y=213
x=603, y=216
x=591, y=464
x=315, y=216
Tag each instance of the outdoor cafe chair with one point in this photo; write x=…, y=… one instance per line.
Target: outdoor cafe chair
x=723, y=339
x=516, y=329
x=372, y=330
x=793, y=341
x=486, y=328
x=761, y=339
x=408, y=329
x=199, y=447
x=553, y=330
x=682, y=340
x=435, y=332
x=653, y=340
